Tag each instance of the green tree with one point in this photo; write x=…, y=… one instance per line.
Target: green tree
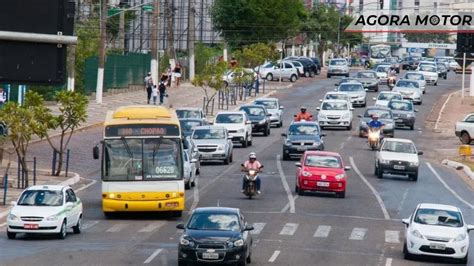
x=256, y=54
x=87, y=46
x=210, y=81
x=243, y=22
x=322, y=25
x=205, y=55
x=349, y=38
x=428, y=37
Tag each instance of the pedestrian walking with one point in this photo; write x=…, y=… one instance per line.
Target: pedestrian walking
x=169, y=74
x=148, y=86
x=177, y=73
x=162, y=90
x=154, y=94
x=3, y=97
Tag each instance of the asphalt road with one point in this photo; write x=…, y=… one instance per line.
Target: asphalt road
x=362, y=229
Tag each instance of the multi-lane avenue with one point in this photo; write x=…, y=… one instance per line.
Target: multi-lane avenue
x=364, y=228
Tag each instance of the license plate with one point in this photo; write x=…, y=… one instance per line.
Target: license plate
x=437, y=246
x=322, y=184
x=399, y=121
x=206, y=155
x=301, y=148
x=399, y=167
x=30, y=226
x=210, y=256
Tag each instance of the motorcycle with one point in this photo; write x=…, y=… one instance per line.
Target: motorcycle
x=391, y=82
x=250, y=189
x=373, y=138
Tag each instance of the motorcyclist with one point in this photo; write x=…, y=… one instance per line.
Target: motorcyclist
x=392, y=72
x=375, y=124
x=303, y=115
x=251, y=163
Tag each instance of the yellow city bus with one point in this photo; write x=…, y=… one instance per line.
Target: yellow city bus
x=142, y=164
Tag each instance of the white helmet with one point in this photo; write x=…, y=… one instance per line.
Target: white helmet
x=252, y=155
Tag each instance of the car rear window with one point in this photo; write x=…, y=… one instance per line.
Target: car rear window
x=324, y=161
x=229, y=118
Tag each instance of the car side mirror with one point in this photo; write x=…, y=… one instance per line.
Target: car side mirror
x=336, y=84
x=281, y=107
x=284, y=135
x=366, y=89
x=298, y=164
x=320, y=100
x=95, y=152
x=195, y=150
x=470, y=227
x=375, y=99
x=318, y=108
x=249, y=227
x=416, y=110
x=335, y=89
x=406, y=221
x=269, y=115
x=359, y=115
x=352, y=109
x=347, y=168
x=420, y=153
x=323, y=135
x=194, y=160
x=180, y=226
x=13, y=203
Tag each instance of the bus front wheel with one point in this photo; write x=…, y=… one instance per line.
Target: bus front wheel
x=177, y=214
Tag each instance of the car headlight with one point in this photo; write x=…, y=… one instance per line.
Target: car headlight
x=241, y=130
x=306, y=174
x=288, y=142
x=322, y=116
x=385, y=161
x=220, y=147
x=52, y=218
x=239, y=243
x=346, y=116
x=363, y=123
x=416, y=233
x=389, y=126
x=261, y=122
x=361, y=96
x=414, y=163
x=186, y=242
x=316, y=143
x=460, y=237
x=12, y=217
x=410, y=115
x=340, y=177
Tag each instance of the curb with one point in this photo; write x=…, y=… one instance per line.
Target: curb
x=459, y=166
x=68, y=182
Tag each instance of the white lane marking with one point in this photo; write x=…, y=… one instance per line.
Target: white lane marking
x=376, y=194
x=196, y=195
x=287, y=206
x=449, y=188
x=388, y=262
x=289, y=229
x=257, y=228
x=442, y=109
x=116, y=228
x=399, y=209
x=322, y=231
x=86, y=186
x=152, y=227
x=358, y=233
x=152, y=256
x=291, y=200
x=341, y=146
x=274, y=256
x=88, y=224
x=392, y=236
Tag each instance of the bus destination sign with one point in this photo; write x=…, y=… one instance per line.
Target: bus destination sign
x=147, y=130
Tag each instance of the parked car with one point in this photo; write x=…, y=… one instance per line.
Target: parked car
x=191, y=112
x=385, y=97
x=283, y=70
x=369, y=80
x=273, y=108
x=321, y=171
x=302, y=136
x=385, y=116
x=382, y=73
x=215, y=234
x=188, y=124
x=237, y=124
x=410, y=90
x=299, y=67
x=335, y=113
x=190, y=170
x=259, y=117
x=213, y=143
x=311, y=68
x=317, y=63
x=397, y=156
x=338, y=67
x=356, y=91
x=420, y=78
x=464, y=129
x=45, y=209
x=442, y=70
x=403, y=112
x=394, y=63
x=230, y=76
x=437, y=230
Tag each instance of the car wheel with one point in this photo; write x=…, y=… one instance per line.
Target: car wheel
x=341, y=194
x=281, y=122
x=376, y=170
x=231, y=159
x=300, y=192
x=11, y=235
x=63, y=231
x=307, y=74
x=465, y=259
x=436, y=84
x=286, y=157
x=350, y=126
x=465, y=138
x=364, y=105
x=109, y=215
x=226, y=161
x=296, y=187
x=406, y=253
x=187, y=185
x=250, y=143
x=312, y=74
x=414, y=177
x=269, y=76
x=361, y=134
x=77, y=228
x=293, y=78
x=182, y=263
x=328, y=76
x=193, y=183
x=379, y=173
x=266, y=132
x=242, y=263
x=412, y=127
x=249, y=258
x=245, y=143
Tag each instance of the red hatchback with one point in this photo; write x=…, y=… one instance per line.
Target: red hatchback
x=321, y=171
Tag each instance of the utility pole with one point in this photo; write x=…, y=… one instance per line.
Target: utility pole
x=191, y=38
x=154, y=41
x=170, y=30
x=102, y=47
x=122, y=31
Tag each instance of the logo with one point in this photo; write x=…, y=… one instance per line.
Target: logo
x=323, y=177
x=211, y=250
x=399, y=162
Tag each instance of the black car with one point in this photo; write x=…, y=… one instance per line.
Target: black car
x=259, y=117
x=410, y=63
x=308, y=63
x=302, y=136
x=385, y=116
x=188, y=124
x=403, y=113
x=442, y=70
x=317, y=62
x=215, y=235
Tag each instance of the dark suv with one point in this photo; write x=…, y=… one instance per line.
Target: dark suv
x=259, y=117
x=302, y=136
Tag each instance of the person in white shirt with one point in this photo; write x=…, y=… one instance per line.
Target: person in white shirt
x=154, y=94
x=3, y=97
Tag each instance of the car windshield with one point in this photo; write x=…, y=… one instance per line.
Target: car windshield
x=209, y=133
x=441, y=67
x=303, y=130
x=41, y=198
x=214, y=221
x=229, y=118
x=438, y=217
x=253, y=111
x=367, y=75
x=399, y=147
x=442, y=60
x=401, y=106
x=383, y=68
x=188, y=125
x=350, y=87
x=267, y=104
x=383, y=114
x=324, y=161
x=414, y=76
x=407, y=84
x=188, y=113
x=427, y=68
x=389, y=96
x=336, y=96
x=334, y=106
x=338, y=62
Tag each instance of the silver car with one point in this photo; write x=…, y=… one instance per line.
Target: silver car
x=213, y=143
x=338, y=67
x=356, y=91
x=410, y=90
x=273, y=108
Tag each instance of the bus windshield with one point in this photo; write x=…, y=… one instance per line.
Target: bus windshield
x=380, y=51
x=142, y=159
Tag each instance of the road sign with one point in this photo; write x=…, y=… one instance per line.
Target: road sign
x=147, y=8
x=113, y=11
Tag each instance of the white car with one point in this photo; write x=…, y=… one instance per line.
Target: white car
x=284, y=70
x=412, y=75
x=410, y=90
x=230, y=76
x=45, y=210
x=464, y=129
x=338, y=67
x=430, y=72
x=273, y=108
x=437, y=230
x=397, y=156
x=356, y=91
x=190, y=168
x=238, y=126
x=299, y=67
x=382, y=73
x=453, y=64
x=335, y=113
x=385, y=97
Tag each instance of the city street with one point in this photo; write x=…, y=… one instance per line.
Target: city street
x=364, y=228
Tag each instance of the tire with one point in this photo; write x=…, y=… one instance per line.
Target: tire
x=78, y=227
x=281, y=123
x=436, y=84
x=406, y=254
x=293, y=78
x=379, y=173
x=341, y=194
x=11, y=235
x=63, y=231
x=231, y=159
x=464, y=260
x=193, y=183
x=250, y=142
x=296, y=188
x=267, y=131
x=108, y=215
x=312, y=74
x=249, y=258
x=245, y=143
x=364, y=105
x=286, y=157
x=227, y=160
x=445, y=77
x=465, y=138
x=242, y=263
x=300, y=192
x=350, y=126
x=269, y=76
x=376, y=170
x=412, y=127
x=328, y=76
x=414, y=177
x=188, y=185
x=361, y=134
x=307, y=74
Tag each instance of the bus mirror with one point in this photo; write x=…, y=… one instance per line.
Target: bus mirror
x=95, y=152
